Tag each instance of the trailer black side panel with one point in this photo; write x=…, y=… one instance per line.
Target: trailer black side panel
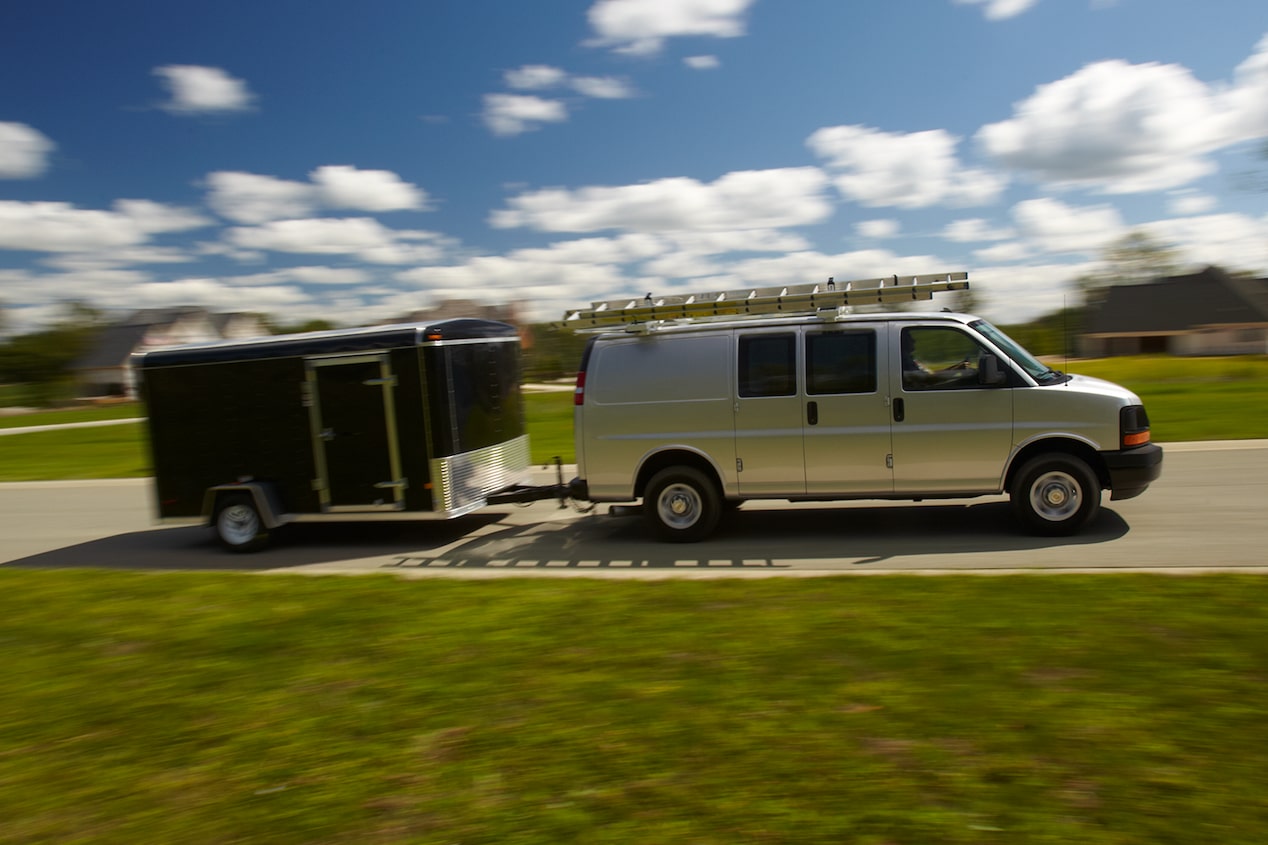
x=214, y=424
x=477, y=386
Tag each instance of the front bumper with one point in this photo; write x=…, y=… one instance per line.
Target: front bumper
x=1132, y=470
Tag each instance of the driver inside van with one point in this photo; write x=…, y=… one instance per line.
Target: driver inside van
x=942, y=345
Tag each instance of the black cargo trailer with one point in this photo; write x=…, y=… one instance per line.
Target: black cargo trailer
x=406, y=421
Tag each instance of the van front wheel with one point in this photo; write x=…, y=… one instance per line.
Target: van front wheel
x=682, y=505
x=1056, y=495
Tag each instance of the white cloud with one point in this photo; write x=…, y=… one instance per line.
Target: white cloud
x=535, y=77
x=702, y=62
x=1003, y=253
x=251, y=198
x=23, y=151
x=341, y=186
x=304, y=275
x=1246, y=102
x=61, y=227
x=196, y=89
x=1234, y=241
x=1187, y=203
x=913, y=170
x=363, y=237
x=640, y=27
x=602, y=87
x=1125, y=128
x=755, y=199
x=514, y=114
x=975, y=229
x=155, y=218
x=1055, y=227
x=998, y=10
x=1015, y=294
x=877, y=229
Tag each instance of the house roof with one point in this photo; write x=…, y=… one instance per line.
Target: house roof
x=113, y=344
x=1181, y=303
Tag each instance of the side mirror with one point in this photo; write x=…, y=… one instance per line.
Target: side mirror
x=990, y=373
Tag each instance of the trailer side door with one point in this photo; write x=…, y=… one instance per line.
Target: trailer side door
x=355, y=446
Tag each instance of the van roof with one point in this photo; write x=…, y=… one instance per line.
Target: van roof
x=827, y=318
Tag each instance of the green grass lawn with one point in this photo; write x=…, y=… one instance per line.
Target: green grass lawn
x=1187, y=399
x=890, y=710
x=1193, y=398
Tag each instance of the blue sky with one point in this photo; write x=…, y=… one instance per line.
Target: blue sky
x=355, y=162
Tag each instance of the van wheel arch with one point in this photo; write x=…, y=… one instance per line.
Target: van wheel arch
x=1073, y=448
x=664, y=460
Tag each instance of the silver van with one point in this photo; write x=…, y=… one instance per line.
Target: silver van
x=704, y=402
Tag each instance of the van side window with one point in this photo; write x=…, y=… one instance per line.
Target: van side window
x=841, y=362
x=939, y=358
x=768, y=365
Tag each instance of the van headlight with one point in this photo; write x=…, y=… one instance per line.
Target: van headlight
x=1133, y=426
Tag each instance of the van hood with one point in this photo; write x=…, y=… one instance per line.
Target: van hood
x=1099, y=387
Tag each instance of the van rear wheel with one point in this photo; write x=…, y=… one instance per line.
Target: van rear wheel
x=1056, y=495
x=682, y=505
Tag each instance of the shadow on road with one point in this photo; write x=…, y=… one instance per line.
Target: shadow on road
x=844, y=537
x=801, y=538
x=195, y=547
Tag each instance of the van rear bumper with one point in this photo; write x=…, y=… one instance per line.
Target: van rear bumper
x=1132, y=470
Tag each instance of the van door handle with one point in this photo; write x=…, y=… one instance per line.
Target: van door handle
x=812, y=413
x=899, y=410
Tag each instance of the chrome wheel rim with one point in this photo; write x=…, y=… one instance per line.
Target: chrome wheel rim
x=679, y=506
x=238, y=524
x=1056, y=496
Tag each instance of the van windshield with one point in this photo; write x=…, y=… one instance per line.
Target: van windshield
x=1035, y=368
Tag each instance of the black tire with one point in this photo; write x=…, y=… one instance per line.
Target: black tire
x=682, y=505
x=1055, y=495
x=238, y=524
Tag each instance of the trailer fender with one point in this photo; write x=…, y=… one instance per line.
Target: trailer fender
x=264, y=494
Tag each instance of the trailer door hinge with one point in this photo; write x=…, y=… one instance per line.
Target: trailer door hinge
x=889, y=461
x=739, y=465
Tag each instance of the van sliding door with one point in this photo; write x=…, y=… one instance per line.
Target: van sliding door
x=846, y=416
x=768, y=440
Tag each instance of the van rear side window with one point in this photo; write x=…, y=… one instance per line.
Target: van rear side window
x=840, y=362
x=768, y=365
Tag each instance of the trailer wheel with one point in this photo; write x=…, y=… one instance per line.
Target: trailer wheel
x=1055, y=494
x=238, y=524
x=682, y=505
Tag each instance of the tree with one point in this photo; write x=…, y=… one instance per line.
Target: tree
x=43, y=359
x=1132, y=259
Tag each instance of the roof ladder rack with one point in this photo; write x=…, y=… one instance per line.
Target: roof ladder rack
x=789, y=300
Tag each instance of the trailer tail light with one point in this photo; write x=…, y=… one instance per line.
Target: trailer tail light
x=579, y=394
x=1133, y=426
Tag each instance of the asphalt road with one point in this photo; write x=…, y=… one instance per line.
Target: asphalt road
x=1208, y=512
